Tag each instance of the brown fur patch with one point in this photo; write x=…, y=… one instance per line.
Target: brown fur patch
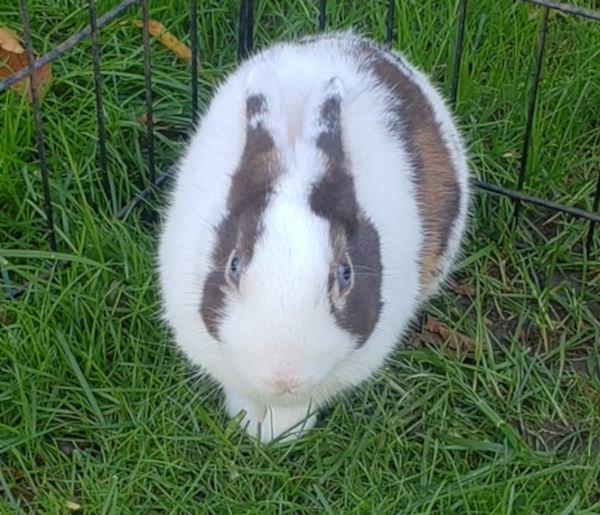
x=251, y=186
x=352, y=234
x=438, y=191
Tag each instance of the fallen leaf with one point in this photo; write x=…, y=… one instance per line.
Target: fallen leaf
x=463, y=289
x=436, y=333
x=4, y=318
x=19, y=486
x=533, y=13
x=13, y=59
x=167, y=39
x=9, y=41
x=172, y=132
x=72, y=506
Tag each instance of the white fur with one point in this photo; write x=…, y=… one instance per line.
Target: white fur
x=278, y=329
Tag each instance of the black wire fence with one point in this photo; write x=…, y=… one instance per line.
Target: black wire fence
x=246, y=21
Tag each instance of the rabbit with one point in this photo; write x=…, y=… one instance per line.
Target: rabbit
x=321, y=200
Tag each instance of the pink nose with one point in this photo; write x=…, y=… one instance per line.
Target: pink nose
x=285, y=383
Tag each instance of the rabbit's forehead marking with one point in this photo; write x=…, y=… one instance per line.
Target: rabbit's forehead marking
x=252, y=184
x=352, y=235
x=413, y=120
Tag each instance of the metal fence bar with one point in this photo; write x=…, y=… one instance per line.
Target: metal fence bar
x=68, y=44
x=594, y=225
x=322, y=8
x=523, y=197
x=194, y=64
x=145, y=193
x=148, y=91
x=39, y=131
x=119, y=215
x=458, y=53
x=389, y=29
x=245, y=33
x=99, y=108
x=539, y=55
x=497, y=190
x=566, y=8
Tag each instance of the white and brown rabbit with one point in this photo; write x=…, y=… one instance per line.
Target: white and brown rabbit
x=321, y=201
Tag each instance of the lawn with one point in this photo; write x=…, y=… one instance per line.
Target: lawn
x=100, y=414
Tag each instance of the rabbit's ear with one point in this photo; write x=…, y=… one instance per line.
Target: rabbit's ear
x=322, y=120
x=264, y=102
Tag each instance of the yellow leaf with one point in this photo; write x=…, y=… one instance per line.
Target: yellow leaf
x=435, y=333
x=8, y=41
x=167, y=39
x=14, y=59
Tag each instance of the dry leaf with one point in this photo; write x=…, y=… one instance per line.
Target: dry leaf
x=436, y=333
x=463, y=289
x=8, y=41
x=533, y=13
x=13, y=59
x=167, y=39
x=172, y=132
x=4, y=318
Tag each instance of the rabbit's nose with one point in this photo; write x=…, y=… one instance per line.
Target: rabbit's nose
x=285, y=383
x=285, y=379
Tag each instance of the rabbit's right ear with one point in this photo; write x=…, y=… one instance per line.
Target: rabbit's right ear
x=264, y=110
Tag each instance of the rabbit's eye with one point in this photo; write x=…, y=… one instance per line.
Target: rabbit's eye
x=344, y=276
x=235, y=267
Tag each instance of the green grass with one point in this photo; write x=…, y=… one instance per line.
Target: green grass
x=98, y=409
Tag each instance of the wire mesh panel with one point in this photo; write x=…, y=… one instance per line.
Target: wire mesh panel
x=248, y=20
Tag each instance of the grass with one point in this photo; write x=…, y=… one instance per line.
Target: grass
x=98, y=409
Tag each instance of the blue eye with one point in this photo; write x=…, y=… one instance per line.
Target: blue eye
x=235, y=268
x=344, y=276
